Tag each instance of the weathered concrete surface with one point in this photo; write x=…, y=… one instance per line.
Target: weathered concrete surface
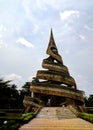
x=48, y=119
x=55, y=124
x=56, y=113
x=49, y=90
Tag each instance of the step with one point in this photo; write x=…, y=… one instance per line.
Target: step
x=55, y=124
x=56, y=112
x=57, y=118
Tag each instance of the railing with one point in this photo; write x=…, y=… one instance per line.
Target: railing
x=73, y=110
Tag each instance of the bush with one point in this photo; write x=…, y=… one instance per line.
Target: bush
x=10, y=125
x=86, y=116
x=15, y=123
x=26, y=117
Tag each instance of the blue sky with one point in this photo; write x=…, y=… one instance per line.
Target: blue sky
x=24, y=34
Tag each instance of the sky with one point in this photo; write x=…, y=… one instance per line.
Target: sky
x=24, y=35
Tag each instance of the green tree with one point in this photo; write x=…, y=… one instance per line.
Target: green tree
x=8, y=95
x=26, y=88
x=89, y=101
x=4, y=92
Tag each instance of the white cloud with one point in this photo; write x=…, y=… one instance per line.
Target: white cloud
x=67, y=52
x=24, y=42
x=82, y=83
x=13, y=76
x=26, y=6
x=36, y=29
x=30, y=78
x=16, y=79
x=2, y=28
x=41, y=4
x=51, y=3
x=67, y=13
x=88, y=28
x=82, y=37
x=1, y=45
x=1, y=35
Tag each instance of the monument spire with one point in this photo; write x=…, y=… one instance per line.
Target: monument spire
x=52, y=37
x=52, y=48
x=51, y=42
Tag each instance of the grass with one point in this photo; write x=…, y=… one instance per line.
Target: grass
x=15, y=123
x=86, y=116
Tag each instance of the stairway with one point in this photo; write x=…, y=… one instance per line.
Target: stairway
x=56, y=112
x=57, y=118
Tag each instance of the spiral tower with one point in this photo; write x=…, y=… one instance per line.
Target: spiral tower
x=54, y=81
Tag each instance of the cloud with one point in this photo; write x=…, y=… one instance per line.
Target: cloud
x=1, y=45
x=82, y=37
x=2, y=33
x=36, y=29
x=83, y=82
x=2, y=28
x=68, y=13
x=67, y=52
x=30, y=78
x=26, y=6
x=24, y=42
x=13, y=76
x=88, y=28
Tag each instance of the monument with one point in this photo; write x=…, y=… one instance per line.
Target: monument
x=54, y=85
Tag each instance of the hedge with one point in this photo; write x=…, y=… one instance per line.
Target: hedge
x=14, y=124
x=86, y=116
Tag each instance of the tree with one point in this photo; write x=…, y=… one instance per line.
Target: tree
x=89, y=101
x=8, y=95
x=26, y=88
x=4, y=92
x=4, y=84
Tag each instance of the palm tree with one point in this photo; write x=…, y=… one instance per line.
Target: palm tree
x=4, y=84
x=4, y=92
x=26, y=88
x=8, y=94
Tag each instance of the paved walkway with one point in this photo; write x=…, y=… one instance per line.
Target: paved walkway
x=47, y=120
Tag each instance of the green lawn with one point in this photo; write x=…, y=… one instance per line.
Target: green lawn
x=86, y=116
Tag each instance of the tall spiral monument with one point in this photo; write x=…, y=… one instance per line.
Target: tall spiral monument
x=53, y=85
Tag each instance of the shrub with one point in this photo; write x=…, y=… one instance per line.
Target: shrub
x=10, y=125
x=26, y=117
x=86, y=116
x=13, y=124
